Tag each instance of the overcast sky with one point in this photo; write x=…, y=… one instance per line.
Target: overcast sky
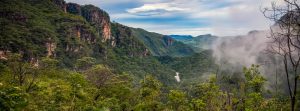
x=187, y=17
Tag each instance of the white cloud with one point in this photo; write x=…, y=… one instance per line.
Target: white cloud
x=156, y=8
x=195, y=31
x=98, y=2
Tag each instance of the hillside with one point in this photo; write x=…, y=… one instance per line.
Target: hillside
x=162, y=45
x=68, y=32
x=198, y=43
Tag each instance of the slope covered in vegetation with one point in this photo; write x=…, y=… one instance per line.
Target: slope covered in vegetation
x=63, y=56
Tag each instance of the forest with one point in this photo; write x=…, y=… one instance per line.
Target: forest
x=59, y=56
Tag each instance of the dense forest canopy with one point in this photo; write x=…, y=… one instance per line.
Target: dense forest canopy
x=56, y=55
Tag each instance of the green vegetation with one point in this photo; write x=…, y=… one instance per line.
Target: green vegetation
x=24, y=86
x=161, y=45
x=192, y=68
x=52, y=58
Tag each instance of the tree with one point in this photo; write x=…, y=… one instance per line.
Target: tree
x=254, y=86
x=19, y=68
x=48, y=63
x=285, y=36
x=177, y=100
x=150, y=92
x=99, y=75
x=210, y=94
x=12, y=98
x=254, y=80
x=85, y=63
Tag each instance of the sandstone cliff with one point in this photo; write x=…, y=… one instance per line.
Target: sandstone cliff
x=99, y=19
x=94, y=15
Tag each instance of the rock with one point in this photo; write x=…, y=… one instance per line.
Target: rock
x=3, y=54
x=146, y=53
x=94, y=15
x=98, y=18
x=51, y=46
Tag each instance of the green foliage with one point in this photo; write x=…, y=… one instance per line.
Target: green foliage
x=198, y=104
x=191, y=67
x=150, y=88
x=49, y=63
x=254, y=80
x=141, y=66
x=84, y=63
x=106, y=76
x=99, y=87
x=150, y=92
x=12, y=98
x=177, y=100
x=158, y=46
x=210, y=94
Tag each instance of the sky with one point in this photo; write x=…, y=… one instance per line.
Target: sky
x=188, y=17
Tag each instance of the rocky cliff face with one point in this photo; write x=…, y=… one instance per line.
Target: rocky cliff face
x=51, y=46
x=83, y=33
x=98, y=18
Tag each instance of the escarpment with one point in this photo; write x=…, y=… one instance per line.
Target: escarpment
x=94, y=15
x=118, y=35
x=99, y=19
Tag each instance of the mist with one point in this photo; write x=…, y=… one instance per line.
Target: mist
x=234, y=53
x=240, y=50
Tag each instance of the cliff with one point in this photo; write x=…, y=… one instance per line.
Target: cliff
x=99, y=19
x=94, y=15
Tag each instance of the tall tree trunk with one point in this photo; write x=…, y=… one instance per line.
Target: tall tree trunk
x=293, y=103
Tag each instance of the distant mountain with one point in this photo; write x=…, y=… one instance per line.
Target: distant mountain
x=198, y=43
x=162, y=45
x=181, y=37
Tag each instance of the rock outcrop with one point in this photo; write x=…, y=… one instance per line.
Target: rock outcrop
x=94, y=15
x=146, y=52
x=51, y=46
x=3, y=54
x=98, y=18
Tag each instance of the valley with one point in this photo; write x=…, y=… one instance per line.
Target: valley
x=58, y=55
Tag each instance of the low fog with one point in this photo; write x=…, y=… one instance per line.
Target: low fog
x=240, y=50
x=234, y=53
